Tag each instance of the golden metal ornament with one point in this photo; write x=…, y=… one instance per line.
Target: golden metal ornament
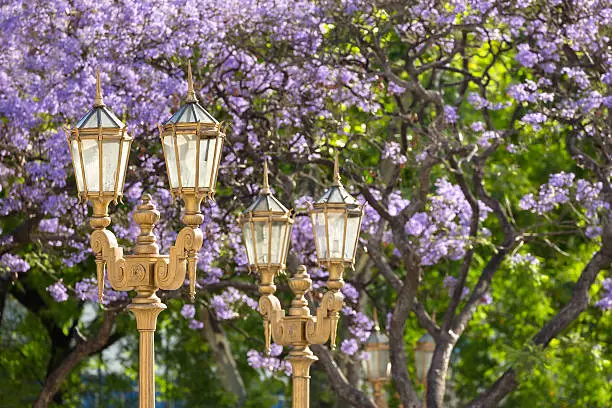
x=298, y=329
x=146, y=270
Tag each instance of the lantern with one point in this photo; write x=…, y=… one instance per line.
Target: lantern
x=192, y=141
x=378, y=366
x=336, y=221
x=423, y=353
x=266, y=227
x=100, y=147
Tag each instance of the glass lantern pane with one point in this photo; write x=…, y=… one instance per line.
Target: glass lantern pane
x=335, y=222
x=318, y=226
x=352, y=225
x=187, y=158
x=110, y=161
x=91, y=160
x=383, y=363
x=288, y=228
x=123, y=162
x=374, y=363
x=171, y=162
x=76, y=162
x=261, y=241
x=423, y=362
x=248, y=242
x=278, y=228
x=207, y=152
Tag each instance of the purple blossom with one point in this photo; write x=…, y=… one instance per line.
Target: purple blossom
x=605, y=302
x=188, y=311
x=525, y=56
x=393, y=151
x=450, y=114
x=195, y=324
x=58, y=291
x=13, y=263
x=349, y=346
x=487, y=139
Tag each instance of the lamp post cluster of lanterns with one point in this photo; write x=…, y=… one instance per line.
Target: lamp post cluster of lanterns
x=192, y=142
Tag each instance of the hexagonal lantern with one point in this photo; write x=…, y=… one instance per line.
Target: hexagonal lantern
x=266, y=227
x=192, y=141
x=336, y=221
x=377, y=367
x=99, y=146
x=423, y=353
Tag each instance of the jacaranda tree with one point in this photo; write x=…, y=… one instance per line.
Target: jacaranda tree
x=477, y=132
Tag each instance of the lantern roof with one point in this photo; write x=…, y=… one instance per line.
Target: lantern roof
x=377, y=337
x=191, y=111
x=337, y=194
x=99, y=116
x=266, y=202
x=426, y=339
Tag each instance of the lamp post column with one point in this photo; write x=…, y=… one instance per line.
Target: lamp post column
x=146, y=306
x=300, y=356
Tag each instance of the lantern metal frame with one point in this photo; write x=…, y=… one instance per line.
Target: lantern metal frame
x=202, y=132
x=251, y=217
x=350, y=208
x=145, y=270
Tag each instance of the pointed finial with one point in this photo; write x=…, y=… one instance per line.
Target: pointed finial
x=266, y=186
x=336, y=171
x=191, y=96
x=375, y=318
x=98, y=102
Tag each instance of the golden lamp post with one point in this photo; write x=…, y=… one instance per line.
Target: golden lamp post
x=377, y=366
x=99, y=144
x=266, y=225
x=423, y=353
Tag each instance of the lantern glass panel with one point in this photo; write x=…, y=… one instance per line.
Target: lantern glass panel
x=110, y=161
x=277, y=241
x=423, y=362
x=374, y=364
x=261, y=241
x=335, y=223
x=248, y=242
x=76, y=162
x=186, y=145
x=123, y=162
x=383, y=363
x=171, y=161
x=209, y=154
x=287, y=240
x=352, y=226
x=91, y=160
x=318, y=222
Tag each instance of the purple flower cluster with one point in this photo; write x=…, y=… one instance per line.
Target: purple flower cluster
x=87, y=290
x=13, y=264
x=393, y=152
x=605, y=302
x=443, y=231
x=564, y=188
x=270, y=364
x=225, y=304
x=58, y=291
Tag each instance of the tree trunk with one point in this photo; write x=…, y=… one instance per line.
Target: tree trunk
x=95, y=343
x=220, y=346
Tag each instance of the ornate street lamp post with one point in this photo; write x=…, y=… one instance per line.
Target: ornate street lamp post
x=377, y=366
x=423, y=353
x=266, y=226
x=99, y=145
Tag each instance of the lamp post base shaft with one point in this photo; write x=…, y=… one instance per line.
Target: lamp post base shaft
x=146, y=320
x=301, y=360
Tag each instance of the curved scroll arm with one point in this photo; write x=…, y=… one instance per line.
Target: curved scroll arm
x=273, y=314
x=108, y=253
x=323, y=327
x=170, y=273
